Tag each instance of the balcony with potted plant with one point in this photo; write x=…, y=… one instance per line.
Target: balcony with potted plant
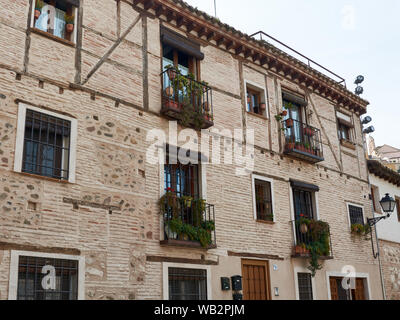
x=186, y=100
x=312, y=240
x=188, y=222
x=302, y=141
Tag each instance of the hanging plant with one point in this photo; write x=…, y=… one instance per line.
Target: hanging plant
x=69, y=22
x=38, y=8
x=361, y=230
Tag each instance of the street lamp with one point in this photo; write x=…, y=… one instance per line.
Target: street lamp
x=388, y=204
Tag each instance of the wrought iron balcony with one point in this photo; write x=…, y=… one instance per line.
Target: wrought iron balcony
x=310, y=235
x=302, y=141
x=186, y=100
x=188, y=222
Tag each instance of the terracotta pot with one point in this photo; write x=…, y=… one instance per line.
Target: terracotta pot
x=262, y=106
x=298, y=249
x=290, y=146
x=170, y=104
x=169, y=91
x=37, y=14
x=289, y=123
x=171, y=74
x=284, y=113
x=69, y=27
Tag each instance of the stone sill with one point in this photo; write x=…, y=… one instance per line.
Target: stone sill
x=52, y=37
x=348, y=144
x=43, y=177
x=185, y=244
x=265, y=222
x=257, y=115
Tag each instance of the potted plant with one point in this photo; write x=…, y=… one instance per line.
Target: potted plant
x=263, y=106
x=290, y=146
x=289, y=123
x=298, y=249
x=361, y=230
x=38, y=8
x=69, y=22
x=187, y=200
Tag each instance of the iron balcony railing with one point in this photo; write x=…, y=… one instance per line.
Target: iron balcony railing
x=302, y=140
x=188, y=220
x=311, y=234
x=187, y=100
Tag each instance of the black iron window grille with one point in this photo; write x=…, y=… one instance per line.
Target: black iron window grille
x=34, y=281
x=305, y=286
x=187, y=284
x=46, y=145
x=356, y=215
x=263, y=200
x=182, y=179
x=303, y=204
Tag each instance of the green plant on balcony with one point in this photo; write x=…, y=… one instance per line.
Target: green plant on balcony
x=319, y=244
x=361, y=230
x=199, y=230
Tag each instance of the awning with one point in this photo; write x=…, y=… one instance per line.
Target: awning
x=75, y=3
x=304, y=186
x=181, y=43
x=294, y=98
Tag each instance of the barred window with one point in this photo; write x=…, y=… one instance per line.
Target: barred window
x=303, y=204
x=46, y=145
x=305, y=286
x=356, y=215
x=187, y=284
x=47, y=279
x=263, y=200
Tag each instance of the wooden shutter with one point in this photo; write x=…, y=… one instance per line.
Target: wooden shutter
x=398, y=208
x=359, y=293
x=256, y=284
x=334, y=289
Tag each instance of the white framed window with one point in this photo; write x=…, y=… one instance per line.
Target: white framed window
x=304, y=284
x=46, y=276
x=45, y=143
x=186, y=282
x=56, y=17
x=263, y=198
x=355, y=214
x=256, y=98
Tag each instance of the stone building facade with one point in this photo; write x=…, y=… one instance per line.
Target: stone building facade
x=384, y=180
x=94, y=218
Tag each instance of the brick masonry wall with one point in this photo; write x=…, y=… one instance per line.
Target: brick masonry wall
x=111, y=167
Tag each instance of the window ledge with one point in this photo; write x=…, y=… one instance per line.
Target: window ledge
x=265, y=222
x=348, y=144
x=257, y=115
x=36, y=176
x=53, y=37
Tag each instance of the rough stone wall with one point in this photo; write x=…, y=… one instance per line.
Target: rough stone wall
x=111, y=167
x=390, y=255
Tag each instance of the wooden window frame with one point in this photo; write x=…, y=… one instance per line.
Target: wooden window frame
x=338, y=276
x=253, y=93
x=260, y=178
x=398, y=207
x=70, y=38
x=194, y=63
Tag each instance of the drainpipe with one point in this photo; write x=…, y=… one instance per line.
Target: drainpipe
x=378, y=251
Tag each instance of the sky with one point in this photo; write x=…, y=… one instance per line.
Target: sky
x=350, y=38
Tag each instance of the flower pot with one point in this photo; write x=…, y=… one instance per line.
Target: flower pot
x=289, y=123
x=171, y=104
x=308, y=132
x=37, y=14
x=262, y=106
x=69, y=27
x=298, y=249
x=284, y=113
x=169, y=92
x=171, y=74
x=290, y=146
x=303, y=228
